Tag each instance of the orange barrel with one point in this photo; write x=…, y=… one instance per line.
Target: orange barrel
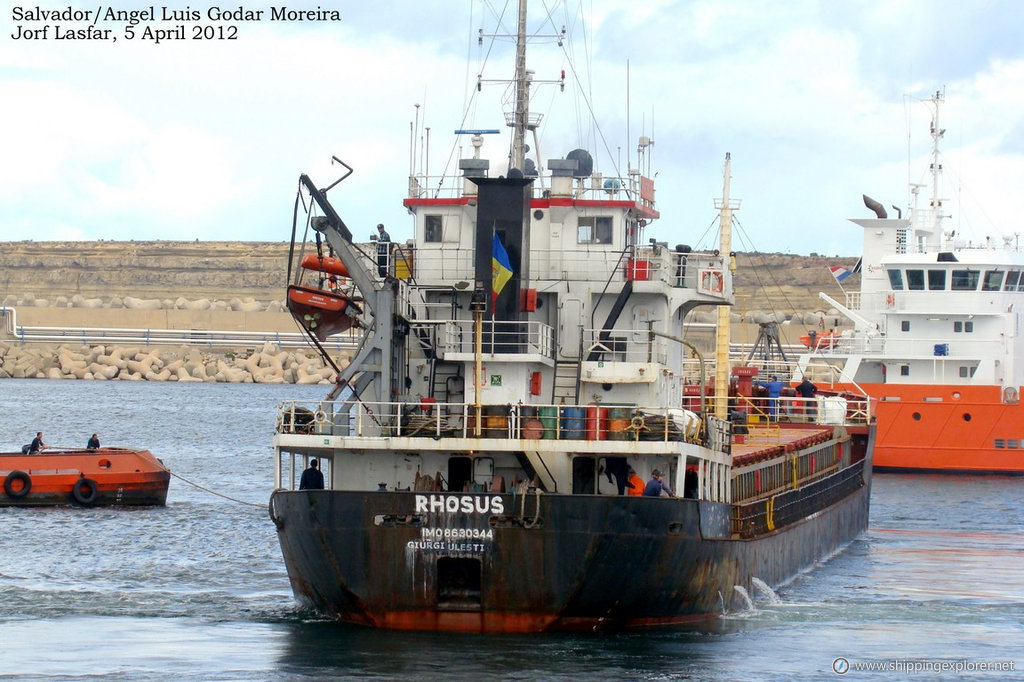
x=573, y=423
x=618, y=422
x=530, y=426
x=495, y=421
x=597, y=422
x=549, y=422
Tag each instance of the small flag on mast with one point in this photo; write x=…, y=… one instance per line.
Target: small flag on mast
x=841, y=273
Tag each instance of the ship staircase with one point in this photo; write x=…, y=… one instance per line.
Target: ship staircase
x=446, y=383
x=565, y=389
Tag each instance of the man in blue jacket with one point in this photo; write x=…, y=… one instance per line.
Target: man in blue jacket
x=656, y=486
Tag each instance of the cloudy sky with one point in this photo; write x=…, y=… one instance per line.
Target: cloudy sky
x=818, y=101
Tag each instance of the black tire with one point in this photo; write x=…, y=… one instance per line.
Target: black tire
x=85, y=491
x=26, y=484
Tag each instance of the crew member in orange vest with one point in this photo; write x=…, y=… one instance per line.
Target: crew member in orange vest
x=635, y=483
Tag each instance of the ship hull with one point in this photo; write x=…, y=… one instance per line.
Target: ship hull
x=588, y=562
x=945, y=428
x=103, y=477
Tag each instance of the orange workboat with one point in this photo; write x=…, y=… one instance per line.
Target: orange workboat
x=101, y=477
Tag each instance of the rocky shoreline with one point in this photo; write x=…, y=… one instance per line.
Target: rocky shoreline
x=268, y=365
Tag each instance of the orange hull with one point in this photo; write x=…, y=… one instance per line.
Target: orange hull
x=108, y=476
x=947, y=428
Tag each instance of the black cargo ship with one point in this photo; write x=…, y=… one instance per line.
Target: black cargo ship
x=523, y=370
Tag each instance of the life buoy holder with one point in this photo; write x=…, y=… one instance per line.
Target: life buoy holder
x=1010, y=395
x=711, y=280
x=320, y=417
x=12, y=488
x=890, y=300
x=85, y=491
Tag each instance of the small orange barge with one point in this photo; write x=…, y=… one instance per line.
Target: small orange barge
x=106, y=476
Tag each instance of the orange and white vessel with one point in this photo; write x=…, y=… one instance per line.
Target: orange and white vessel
x=101, y=477
x=936, y=340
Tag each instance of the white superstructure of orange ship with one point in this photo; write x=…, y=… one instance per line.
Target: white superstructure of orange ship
x=936, y=340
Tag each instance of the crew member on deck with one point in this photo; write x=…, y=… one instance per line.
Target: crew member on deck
x=656, y=486
x=636, y=484
x=383, y=249
x=806, y=390
x=774, y=388
x=37, y=444
x=94, y=443
x=312, y=478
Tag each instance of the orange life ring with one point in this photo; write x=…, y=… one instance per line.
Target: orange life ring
x=711, y=280
x=890, y=300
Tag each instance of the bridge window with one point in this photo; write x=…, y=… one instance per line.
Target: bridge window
x=936, y=280
x=432, y=228
x=993, y=280
x=896, y=279
x=965, y=280
x=594, y=230
x=915, y=280
x=1011, y=280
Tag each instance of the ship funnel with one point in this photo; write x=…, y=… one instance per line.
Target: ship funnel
x=875, y=206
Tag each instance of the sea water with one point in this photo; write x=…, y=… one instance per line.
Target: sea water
x=197, y=590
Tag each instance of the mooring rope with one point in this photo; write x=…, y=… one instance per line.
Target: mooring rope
x=213, y=492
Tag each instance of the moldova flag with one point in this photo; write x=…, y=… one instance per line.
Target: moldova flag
x=501, y=269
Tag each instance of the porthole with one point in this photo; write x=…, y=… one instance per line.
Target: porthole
x=917, y=416
x=967, y=416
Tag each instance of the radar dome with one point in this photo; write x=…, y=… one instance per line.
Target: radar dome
x=584, y=162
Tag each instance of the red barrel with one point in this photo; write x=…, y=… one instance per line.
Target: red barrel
x=597, y=422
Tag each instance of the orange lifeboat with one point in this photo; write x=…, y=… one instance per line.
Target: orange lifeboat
x=105, y=476
x=322, y=312
x=814, y=340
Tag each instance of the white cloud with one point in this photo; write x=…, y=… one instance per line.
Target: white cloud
x=206, y=139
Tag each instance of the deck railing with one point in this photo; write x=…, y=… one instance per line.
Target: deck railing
x=464, y=420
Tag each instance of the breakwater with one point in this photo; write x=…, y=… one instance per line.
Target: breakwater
x=269, y=364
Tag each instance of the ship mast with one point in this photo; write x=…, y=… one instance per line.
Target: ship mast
x=522, y=112
x=936, y=167
x=725, y=207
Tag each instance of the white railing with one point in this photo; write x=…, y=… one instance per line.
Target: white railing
x=464, y=420
x=498, y=337
x=89, y=336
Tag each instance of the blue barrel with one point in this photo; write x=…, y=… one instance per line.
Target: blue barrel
x=574, y=423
